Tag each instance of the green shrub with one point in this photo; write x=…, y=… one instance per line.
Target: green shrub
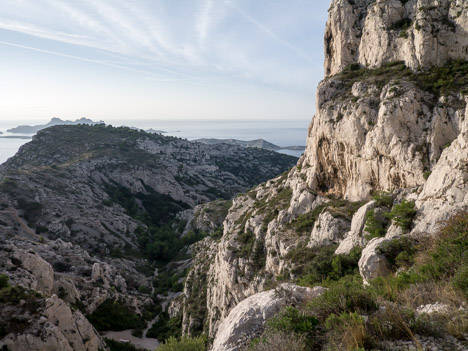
x=273, y=340
x=449, y=252
x=374, y=227
x=119, y=346
x=383, y=199
x=246, y=240
x=317, y=265
x=344, y=296
x=112, y=315
x=398, y=252
x=347, y=331
x=166, y=327
x=167, y=281
x=403, y=214
x=402, y=24
x=293, y=320
x=3, y=281
x=460, y=279
x=184, y=344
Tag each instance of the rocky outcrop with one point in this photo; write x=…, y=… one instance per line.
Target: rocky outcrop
x=31, y=271
x=355, y=236
x=249, y=316
x=419, y=32
x=328, y=230
x=384, y=134
x=446, y=190
x=372, y=263
x=53, y=327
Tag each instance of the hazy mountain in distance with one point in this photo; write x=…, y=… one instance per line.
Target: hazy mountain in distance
x=258, y=143
x=53, y=122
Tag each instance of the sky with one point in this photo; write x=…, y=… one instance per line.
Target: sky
x=160, y=59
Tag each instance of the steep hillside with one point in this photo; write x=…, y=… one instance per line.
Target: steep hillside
x=89, y=212
x=94, y=185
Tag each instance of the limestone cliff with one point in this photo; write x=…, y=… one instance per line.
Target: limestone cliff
x=391, y=117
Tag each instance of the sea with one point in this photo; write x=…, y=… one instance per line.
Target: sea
x=282, y=133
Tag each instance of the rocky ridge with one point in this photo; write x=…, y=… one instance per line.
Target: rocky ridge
x=73, y=216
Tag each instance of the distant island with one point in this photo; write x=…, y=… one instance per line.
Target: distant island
x=16, y=137
x=24, y=129
x=258, y=143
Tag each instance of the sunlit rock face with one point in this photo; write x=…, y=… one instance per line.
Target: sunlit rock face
x=381, y=125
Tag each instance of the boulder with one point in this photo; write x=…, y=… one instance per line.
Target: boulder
x=373, y=264
x=40, y=269
x=328, y=230
x=354, y=237
x=250, y=315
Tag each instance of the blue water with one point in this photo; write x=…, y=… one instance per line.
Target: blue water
x=282, y=133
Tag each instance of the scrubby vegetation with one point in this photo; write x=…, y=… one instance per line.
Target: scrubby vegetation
x=165, y=327
x=113, y=315
x=451, y=77
x=320, y=265
x=351, y=316
x=20, y=299
x=403, y=214
x=338, y=208
x=120, y=346
x=184, y=344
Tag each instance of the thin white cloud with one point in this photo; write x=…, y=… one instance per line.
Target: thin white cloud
x=204, y=21
x=104, y=63
x=188, y=39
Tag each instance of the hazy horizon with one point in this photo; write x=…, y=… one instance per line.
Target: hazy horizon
x=213, y=59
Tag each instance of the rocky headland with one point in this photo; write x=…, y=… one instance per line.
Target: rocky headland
x=25, y=129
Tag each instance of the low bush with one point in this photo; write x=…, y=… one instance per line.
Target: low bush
x=383, y=199
x=166, y=327
x=183, y=344
x=3, y=281
x=346, y=331
x=403, y=214
x=344, y=296
x=318, y=265
x=293, y=320
x=113, y=315
x=374, y=227
x=276, y=340
x=398, y=252
x=167, y=281
x=119, y=346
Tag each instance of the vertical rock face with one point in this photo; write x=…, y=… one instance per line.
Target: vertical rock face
x=377, y=129
x=370, y=33
x=446, y=189
x=383, y=123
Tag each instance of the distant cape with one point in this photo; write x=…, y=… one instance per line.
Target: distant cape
x=258, y=143
x=25, y=129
